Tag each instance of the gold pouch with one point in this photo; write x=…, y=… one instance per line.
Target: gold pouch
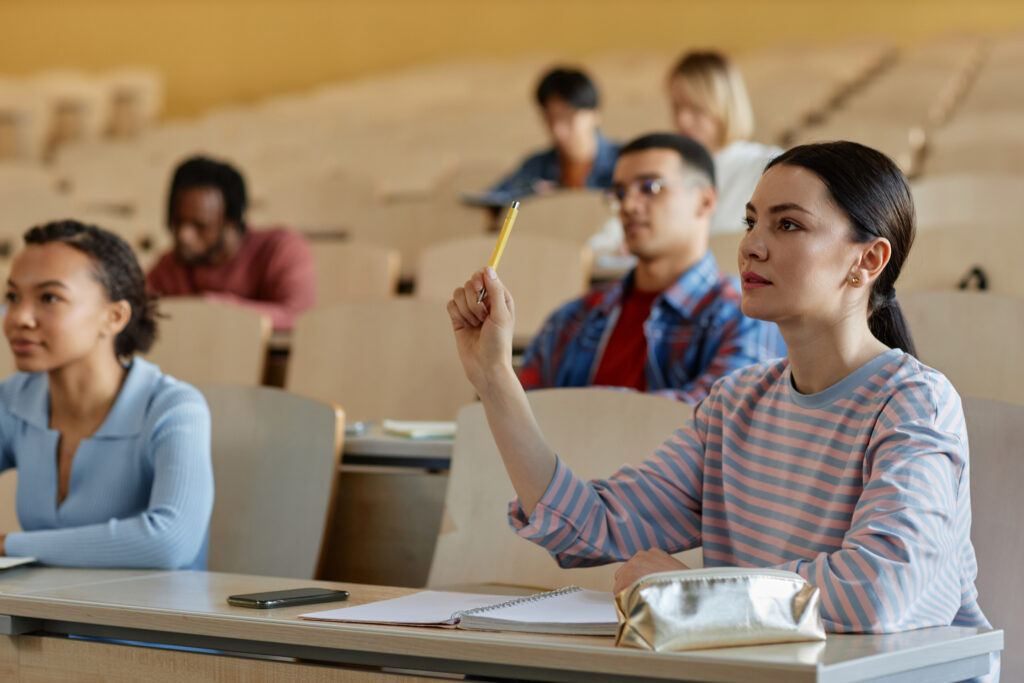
x=703, y=608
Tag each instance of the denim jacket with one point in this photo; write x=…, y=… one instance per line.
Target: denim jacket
x=695, y=334
x=544, y=167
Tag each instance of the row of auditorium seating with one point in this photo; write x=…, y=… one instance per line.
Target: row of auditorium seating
x=391, y=174
x=44, y=111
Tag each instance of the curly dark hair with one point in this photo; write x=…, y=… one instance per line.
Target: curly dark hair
x=117, y=269
x=205, y=172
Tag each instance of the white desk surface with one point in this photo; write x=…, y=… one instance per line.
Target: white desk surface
x=189, y=608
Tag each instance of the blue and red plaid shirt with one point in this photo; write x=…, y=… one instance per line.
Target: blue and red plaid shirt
x=695, y=334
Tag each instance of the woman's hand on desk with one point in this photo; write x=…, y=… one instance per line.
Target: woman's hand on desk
x=483, y=331
x=643, y=563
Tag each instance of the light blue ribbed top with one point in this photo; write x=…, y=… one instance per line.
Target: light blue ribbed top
x=141, y=488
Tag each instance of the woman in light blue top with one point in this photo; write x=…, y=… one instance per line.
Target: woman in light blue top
x=113, y=456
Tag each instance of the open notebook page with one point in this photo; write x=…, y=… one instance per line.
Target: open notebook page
x=425, y=608
x=569, y=610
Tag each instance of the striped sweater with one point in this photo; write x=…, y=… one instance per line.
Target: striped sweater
x=862, y=489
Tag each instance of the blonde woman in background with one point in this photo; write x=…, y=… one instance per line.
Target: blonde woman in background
x=710, y=104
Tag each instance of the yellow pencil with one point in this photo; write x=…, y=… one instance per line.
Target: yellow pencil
x=510, y=219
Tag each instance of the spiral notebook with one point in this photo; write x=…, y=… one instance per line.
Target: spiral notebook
x=568, y=611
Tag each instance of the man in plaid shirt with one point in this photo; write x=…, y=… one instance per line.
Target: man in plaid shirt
x=673, y=325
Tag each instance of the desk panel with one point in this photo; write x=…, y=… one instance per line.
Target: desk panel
x=41, y=659
x=188, y=608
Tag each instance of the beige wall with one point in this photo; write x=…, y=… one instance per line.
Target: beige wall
x=225, y=51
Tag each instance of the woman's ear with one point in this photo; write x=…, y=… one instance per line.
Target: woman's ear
x=119, y=314
x=874, y=257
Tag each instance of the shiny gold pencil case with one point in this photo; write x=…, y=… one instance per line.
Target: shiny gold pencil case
x=704, y=608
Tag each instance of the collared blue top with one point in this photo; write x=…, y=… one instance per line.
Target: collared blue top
x=695, y=334
x=544, y=167
x=141, y=489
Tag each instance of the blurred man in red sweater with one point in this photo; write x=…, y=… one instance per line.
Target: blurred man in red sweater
x=217, y=256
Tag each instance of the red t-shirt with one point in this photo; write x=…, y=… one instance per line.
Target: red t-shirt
x=272, y=272
x=625, y=354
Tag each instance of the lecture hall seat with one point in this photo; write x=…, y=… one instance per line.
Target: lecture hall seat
x=543, y=273
x=594, y=431
x=276, y=460
x=974, y=338
x=208, y=341
x=392, y=358
x=996, y=430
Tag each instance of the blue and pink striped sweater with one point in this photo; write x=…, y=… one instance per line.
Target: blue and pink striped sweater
x=862, y=489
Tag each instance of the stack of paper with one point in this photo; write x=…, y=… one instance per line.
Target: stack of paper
x=420, y=430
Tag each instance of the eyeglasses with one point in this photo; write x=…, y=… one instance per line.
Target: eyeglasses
x=648, y=187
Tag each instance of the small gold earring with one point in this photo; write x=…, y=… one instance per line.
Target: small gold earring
x=854, y=279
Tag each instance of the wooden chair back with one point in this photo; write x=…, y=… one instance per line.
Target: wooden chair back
x=942, y=257
x=318, y=202
x=346, y=271
x=725, y=246
x=996, y=431
x=393, y=358
x=541, y=272
x=8, y=509
x=966, y=200
x=594, y=431
x=276, y=459
x=976, y=339
x=206, y=341
x=572, y=215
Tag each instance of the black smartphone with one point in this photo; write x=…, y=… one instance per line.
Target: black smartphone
x=287, y=598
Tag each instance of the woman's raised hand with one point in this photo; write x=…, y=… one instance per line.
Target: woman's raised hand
x=483, y=331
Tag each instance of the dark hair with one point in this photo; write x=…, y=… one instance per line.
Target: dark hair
x=205, y=172
x=116, y=268
x=692, y=152
x=872, y=191
x=571, y=85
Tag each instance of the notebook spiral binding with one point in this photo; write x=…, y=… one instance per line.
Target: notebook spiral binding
x=518, y=601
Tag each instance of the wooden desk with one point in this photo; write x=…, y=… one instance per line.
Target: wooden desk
x=189, y=609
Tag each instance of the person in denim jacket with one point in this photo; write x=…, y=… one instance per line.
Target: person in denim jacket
x=581, y=156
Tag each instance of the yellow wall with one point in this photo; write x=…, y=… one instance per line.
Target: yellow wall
x=225, y=51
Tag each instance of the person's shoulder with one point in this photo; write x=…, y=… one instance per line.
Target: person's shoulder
x=719, y=292
x=279, y=245
x=744, y=155
x=534, y=161
x=276, y=236
x=607, y=143
x=758, y=376
x=581, y=306
x=15, y=388
x=751, y=382
x=165, y=391
x=913, y=390
x=165, y=264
